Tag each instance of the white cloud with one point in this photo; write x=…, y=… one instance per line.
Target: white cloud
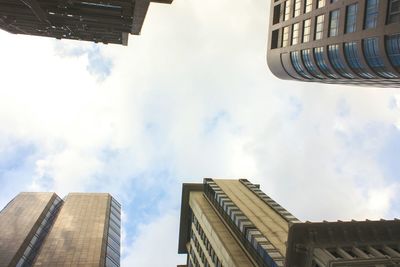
x=190, y=98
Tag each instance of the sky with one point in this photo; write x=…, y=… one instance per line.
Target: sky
x=191, y=97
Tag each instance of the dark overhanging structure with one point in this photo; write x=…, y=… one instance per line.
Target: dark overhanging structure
x=104, y=21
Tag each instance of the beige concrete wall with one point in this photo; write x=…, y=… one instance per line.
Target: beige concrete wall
x=225, y=245
x=267, y=220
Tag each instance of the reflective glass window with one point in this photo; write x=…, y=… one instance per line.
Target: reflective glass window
x=297, y=6
x=306, y=30
x=334, y=23
x=295, y=34
x=295, y=57
x=312, y=69
x=319, y=27
x=374, y=59
x=337, y=62
x=371, y=14
x=353, y=58
x=394, y=11
x=351, y=18
x=115, y=218
x=320, y=3
x=287, y=10
x=393, y=50
x=285, y=37
x=308, y=6
x=111, y=263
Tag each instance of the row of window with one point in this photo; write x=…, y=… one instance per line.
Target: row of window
x=370, y=21
x=292, y=9
x=36, y=241
x=114, y=236
x=193, y=262
x=249, y=233
x=206, y=242
x=351, y=63
x=200, y=252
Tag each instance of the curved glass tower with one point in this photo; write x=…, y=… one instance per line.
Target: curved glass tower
x=336, y=41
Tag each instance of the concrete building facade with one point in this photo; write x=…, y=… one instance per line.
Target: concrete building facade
x=108, y=21
x=233, y=223
x=41, y=229
x=336, y=41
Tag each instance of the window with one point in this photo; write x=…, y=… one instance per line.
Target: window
x=306, y=30
x=393, y=50
x=319, y=27
x=337, y=62
x=351, y=18
x=334, y=23
x=394, y=11
x=295, y=57
x=285, y=36
x=320, y=3
x=308, y=6
x=287, y=10
x=312, y=69
x=374, y=60
x=297, y=6
x=353, y=58
x=319, y=59
x=295, y=34
x=371, y=14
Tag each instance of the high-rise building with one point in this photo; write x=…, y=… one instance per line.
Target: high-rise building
x=108, y=21
x=336, y=41
x=41, y=229
x=233, y=223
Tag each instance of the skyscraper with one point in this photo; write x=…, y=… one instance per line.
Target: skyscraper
x=233, y=223
x=336, y=41
x=108, y=21
x=41, y=229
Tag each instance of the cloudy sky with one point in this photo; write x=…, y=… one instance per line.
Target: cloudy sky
x=191, y=97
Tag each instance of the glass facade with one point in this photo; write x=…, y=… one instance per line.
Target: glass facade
x=353, y=58
x=337, y=62
x=321, y=63
x=37, y=239
x=86, y=232
x=351, y=18
x=113, y=236
x=393, y=50
x=334, y=23
x=310, y=66
x=296, y=62
x=24, y=223
x=374, y=58
x=371, y=14
x=319, y=27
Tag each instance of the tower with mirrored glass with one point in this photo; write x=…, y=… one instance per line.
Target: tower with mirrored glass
x=233, y=223
x=41, y=229
x=336, y=41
